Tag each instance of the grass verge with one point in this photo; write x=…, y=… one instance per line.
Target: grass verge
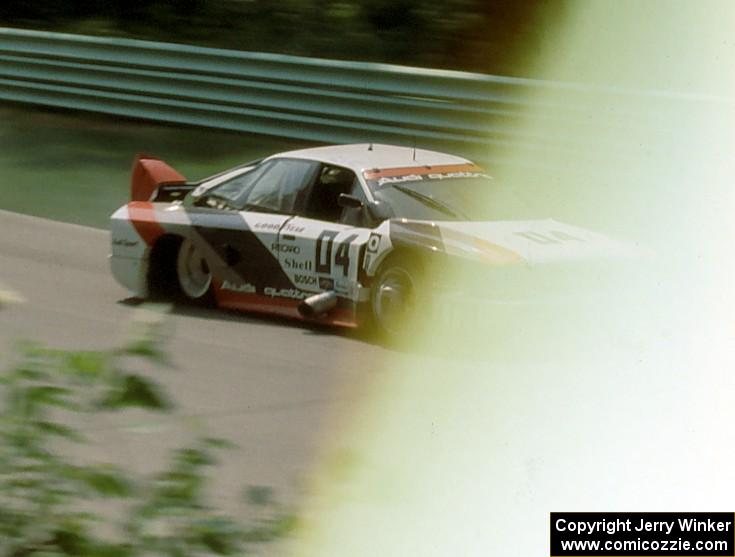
x=75, y=167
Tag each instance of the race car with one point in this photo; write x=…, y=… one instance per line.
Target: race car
x=345, y=235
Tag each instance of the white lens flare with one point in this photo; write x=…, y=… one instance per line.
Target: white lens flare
x=617, y=401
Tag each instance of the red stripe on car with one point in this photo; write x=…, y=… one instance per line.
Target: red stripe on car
x=142, y=215
x=420, y=170
x=283, y=307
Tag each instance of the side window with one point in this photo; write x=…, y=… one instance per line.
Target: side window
x=283, y=187
x=323, y=202
x=356, y=217
x=236, y=189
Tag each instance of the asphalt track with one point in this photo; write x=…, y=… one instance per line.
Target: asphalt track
x=276, y=388
x=641, y=429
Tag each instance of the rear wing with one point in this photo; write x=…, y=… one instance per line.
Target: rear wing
x=151, y=174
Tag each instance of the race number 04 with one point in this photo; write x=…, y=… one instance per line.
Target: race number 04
x=323, y=262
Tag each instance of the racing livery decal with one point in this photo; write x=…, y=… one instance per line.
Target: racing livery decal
x=143, y=216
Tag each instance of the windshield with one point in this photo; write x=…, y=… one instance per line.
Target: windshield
x=462, y=192
x=460, y=196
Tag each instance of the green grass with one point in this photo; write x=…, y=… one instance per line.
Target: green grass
x=75, y=167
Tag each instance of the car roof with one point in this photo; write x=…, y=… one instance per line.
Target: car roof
x=368, y=156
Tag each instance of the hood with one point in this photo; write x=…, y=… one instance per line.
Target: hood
x=507, y=242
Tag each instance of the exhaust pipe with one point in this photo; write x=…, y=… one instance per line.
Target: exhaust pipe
x=318, y=304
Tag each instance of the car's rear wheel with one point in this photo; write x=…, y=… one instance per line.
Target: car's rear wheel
x=192, y=272
x=395, y=299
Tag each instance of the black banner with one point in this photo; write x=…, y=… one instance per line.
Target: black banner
x=642, y=534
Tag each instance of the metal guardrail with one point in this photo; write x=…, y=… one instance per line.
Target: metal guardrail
x=301, y=98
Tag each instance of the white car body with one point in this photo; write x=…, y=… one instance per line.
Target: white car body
x=272, y=261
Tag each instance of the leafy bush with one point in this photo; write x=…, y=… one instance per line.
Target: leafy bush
x=48, y=498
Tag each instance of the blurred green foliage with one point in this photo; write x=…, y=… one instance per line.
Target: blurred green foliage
x=490, y=36
x=51, y=498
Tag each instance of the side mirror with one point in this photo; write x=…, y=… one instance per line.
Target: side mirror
x=348, y=201
x=379, y=211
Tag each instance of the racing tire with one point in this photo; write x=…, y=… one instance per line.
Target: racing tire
x=397, y=298
x=193, y=274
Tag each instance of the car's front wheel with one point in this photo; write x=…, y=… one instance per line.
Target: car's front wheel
x=395, y=299
x=192, y=272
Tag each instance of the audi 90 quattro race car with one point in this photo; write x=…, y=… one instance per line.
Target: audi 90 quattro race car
x=341, y=234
